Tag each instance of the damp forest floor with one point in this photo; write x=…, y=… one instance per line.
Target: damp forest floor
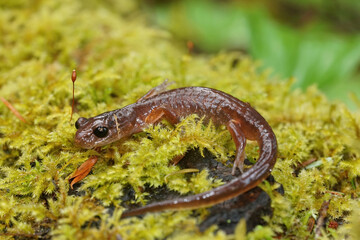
x=314, y=189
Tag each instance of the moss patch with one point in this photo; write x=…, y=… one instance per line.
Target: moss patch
x=118, y=59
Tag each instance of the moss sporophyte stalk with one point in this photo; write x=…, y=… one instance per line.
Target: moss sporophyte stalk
x=120, y=58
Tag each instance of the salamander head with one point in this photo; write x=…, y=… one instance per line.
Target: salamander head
x=97, y=131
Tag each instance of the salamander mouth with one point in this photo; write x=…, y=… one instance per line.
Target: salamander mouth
x=78, y=142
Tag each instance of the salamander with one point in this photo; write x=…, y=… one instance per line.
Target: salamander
x=242, y=121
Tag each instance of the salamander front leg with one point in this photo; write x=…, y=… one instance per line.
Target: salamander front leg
x=238, y=136
x=160, y=113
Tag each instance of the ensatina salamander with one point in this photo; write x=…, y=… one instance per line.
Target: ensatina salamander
x=242, y=121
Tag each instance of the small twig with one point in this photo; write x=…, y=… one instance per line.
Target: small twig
x=322, y=214
x=177, y=159
x=335, y=193
x=306, y=163
x=14, y=111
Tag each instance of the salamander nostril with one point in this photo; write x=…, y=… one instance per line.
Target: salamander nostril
x=80, y=122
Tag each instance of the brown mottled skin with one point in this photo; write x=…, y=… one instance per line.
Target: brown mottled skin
x=239, y=117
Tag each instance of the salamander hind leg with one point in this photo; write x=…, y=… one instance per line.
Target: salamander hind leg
x=238, y=136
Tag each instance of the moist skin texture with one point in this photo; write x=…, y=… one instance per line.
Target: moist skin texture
x=242, y=121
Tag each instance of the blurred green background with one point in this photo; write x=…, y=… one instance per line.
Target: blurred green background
x=315, y=41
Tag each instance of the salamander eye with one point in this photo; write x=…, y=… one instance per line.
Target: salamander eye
x=101, y=131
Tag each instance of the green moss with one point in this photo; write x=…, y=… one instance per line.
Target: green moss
x=118, y=59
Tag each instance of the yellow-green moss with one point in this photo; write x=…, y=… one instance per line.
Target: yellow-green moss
x=118, y=59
